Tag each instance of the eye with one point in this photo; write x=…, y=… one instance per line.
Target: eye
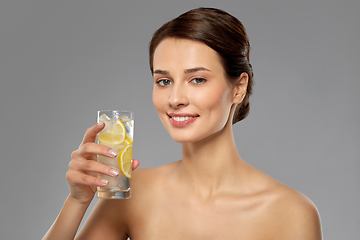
x=198, y=80
x=163, y=82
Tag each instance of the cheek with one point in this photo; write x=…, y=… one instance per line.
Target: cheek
x=155, y=99
x=215, y=99
x=159, y=99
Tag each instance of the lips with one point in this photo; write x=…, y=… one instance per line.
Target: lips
x=182, y=119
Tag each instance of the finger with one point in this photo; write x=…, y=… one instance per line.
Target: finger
x=93, y=149
x=135, y=164
x=76, y=177
x=89, y=167
x=91, y=132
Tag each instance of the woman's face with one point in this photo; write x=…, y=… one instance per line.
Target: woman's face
x=191, y=93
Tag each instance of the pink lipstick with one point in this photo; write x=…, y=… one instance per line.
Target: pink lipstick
x=182, y=119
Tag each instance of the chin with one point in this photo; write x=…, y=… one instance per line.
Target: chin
x=188, y=138
x=179, y=138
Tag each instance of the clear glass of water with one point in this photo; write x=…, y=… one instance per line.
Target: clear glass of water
x=118, y=134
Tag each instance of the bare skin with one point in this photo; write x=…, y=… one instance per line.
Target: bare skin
x=167, y=205
x=211, y=193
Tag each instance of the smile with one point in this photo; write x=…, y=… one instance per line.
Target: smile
x=182, y=119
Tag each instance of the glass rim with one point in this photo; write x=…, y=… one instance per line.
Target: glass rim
x=115, y=111
x=115, y=114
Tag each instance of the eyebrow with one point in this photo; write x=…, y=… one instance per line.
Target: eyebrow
x=196, y=69
x=190, y=70
x=162, y=72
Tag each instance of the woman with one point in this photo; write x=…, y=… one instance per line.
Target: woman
x=202, y=83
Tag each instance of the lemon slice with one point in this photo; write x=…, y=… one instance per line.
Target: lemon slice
x=125, y=161
x=114, y=135
x=128, y=140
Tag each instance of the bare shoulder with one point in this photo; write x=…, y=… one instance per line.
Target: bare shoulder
x=149, y=180
x=292, y=214
x=152, y=175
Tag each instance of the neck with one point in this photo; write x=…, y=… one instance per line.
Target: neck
x=212, y=164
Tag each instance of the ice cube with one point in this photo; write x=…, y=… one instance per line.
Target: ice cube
x=104, y=118
x=124, y=118
x=108, y=123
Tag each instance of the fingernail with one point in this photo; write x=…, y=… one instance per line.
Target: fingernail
x=104, y=181
x=114, y=172
x=112, y=153
x=100, y=124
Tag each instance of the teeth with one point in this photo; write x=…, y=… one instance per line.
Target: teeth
x=180, y=119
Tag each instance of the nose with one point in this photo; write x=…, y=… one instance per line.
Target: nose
x=178, y=96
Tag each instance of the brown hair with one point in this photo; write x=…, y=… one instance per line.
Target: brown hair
x=220, y=31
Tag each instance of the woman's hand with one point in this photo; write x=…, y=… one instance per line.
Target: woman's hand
x=83, y=168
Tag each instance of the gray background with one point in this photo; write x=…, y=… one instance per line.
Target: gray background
x=61, y=61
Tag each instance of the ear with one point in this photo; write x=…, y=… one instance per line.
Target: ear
x=240, y=87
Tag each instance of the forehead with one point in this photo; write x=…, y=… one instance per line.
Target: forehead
x=177, y=53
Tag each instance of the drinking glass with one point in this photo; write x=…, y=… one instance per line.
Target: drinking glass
x=118, y=134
